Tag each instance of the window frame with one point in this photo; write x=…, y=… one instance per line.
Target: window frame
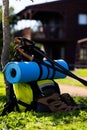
x=83, y=54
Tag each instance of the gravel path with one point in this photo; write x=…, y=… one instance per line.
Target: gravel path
x=73, y=90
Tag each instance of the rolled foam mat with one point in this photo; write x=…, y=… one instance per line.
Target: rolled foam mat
x=16, y=72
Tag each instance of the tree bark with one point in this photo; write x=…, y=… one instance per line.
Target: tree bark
x=6, y=43
x=6, y=33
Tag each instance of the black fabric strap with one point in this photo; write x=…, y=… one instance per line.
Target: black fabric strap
x=29, y=107
x=40, y=67
x=53, y=67
x=24, y=104
x=48, y=71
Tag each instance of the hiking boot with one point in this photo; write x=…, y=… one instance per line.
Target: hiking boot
x=53, y=103
x=68, y=99
x=70, y=102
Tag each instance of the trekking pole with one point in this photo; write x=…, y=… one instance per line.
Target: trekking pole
x=64, y=70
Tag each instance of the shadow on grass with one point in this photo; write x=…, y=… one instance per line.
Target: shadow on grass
x=56, y=118
x=67, y=117
x=2, y=102
x=80, y=100
x=2, y=98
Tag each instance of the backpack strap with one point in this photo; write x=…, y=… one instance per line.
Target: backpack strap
x=29, y=107
x=36, y=90
x=11, y=103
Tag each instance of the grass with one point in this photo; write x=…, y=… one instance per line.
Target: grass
x=82, y=73
x=76, y=120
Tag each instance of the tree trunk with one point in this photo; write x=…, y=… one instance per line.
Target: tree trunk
x=6, y=33
x=6, y=42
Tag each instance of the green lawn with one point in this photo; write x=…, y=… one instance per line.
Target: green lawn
x=82, y=73
x=76, y=120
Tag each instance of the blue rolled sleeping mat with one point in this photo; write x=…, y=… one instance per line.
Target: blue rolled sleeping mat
x=18, y=72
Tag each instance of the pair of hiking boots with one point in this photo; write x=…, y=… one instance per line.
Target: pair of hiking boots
x=58, y=103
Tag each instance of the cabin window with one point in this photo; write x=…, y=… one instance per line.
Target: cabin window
x=83, y=54
x=82, y=19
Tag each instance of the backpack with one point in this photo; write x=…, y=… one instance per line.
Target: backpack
x=40, y=96
x=16, y=101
